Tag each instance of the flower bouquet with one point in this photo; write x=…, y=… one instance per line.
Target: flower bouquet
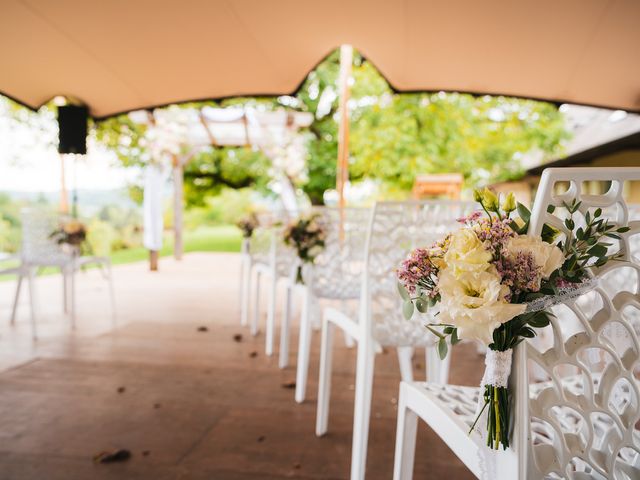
x=70, y=232
x=307, y=236
x=491, y=282
x=247, y=225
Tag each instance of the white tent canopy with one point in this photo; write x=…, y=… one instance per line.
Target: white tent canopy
x=121, y=55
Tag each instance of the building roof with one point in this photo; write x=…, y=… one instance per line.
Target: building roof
x=629, y=142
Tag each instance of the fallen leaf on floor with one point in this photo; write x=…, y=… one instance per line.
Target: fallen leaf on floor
x=156, y=405
x=237, y=337
x=261, y=438
x=121, y=389
x=289, y=385
x=253, y=354
x=121, y=455
x=146, y=453
x=297, y=466
x=203, y=329
x=418, y=366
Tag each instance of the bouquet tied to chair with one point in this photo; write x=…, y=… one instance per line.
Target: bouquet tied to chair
x=491, y=282
x=247, y=225
x=70, y=232
x=307, y=236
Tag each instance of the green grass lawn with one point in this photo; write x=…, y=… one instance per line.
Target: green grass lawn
x=222, y=238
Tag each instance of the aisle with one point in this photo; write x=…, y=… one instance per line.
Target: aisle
x=188, y=404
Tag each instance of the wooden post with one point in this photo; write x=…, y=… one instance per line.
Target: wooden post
x=178, y=207
x=153, y=260
x=342, y=168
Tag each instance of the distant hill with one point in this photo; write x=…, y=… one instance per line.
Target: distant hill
x=89, y=201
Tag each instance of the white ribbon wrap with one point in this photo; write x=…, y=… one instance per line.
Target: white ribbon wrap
x=496, y=372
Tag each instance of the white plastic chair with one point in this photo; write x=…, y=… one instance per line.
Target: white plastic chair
x=21, y=273
x=336, y=275
x=39, y=250
x=270, y=258
x=582, y=420
x=394, y=230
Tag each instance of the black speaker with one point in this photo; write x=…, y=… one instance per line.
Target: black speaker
x=72, y=124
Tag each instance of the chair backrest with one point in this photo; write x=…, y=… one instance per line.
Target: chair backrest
x=394, y=230
x=38, y=248
x=582, y=422
x=337, y=271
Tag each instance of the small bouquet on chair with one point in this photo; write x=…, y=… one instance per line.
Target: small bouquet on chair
x=247, y=225
x=491, y=282
x=307, y=237
x=71, y=233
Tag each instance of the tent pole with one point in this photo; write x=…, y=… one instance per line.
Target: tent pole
x=178, y=207
x=342, y=170
x=64, y=200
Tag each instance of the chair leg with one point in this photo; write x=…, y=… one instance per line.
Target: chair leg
x=362, y=409
x=65, y=291
x=283, y=360
x=405, y=440
x=33, y=302
x=271, y=316
x=241, y=285
x=256, y=306
x=16, y=298
x=112, y=294
x=72, y=303
x=437, y=370
x=246, y=293
x=324, y=381
x=348, y=339
x=304, y=347
x=405, y=357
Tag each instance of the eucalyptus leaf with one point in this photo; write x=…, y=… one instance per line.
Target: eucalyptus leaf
x=421, y=305
x=443, y=348
x=402, y=291
x=407, y=309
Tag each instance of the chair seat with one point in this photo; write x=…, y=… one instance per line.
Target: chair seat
x=459, y=404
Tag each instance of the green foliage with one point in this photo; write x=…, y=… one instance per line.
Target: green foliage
x=215, y=168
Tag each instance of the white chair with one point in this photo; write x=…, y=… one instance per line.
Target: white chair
x=582, y=420
x=335, y=276
x=270, y=258
x=21, y=274
x=394, y=230
x=39, y=250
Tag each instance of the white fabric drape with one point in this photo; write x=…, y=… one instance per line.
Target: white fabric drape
x=153, y=194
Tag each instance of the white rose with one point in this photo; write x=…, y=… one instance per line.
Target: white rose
x=475, y=303
x=466, y=253
x=314, y=251
x=547, y=256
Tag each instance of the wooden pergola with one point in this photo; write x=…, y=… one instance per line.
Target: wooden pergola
x=177, y=134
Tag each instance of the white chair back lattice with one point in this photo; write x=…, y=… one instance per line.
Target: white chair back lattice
x=337, y=271
x=582, y=421
x=395, y=229
x=38, y=248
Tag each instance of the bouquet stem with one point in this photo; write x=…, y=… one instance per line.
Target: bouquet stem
x=299, y=278
x=495, y=399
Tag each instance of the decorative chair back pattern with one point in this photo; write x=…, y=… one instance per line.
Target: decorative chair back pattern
x=394, y=230
x=38, y=248
x=337, y=271
x=583, y=420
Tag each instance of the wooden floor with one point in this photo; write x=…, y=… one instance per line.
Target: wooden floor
x=188, y=404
